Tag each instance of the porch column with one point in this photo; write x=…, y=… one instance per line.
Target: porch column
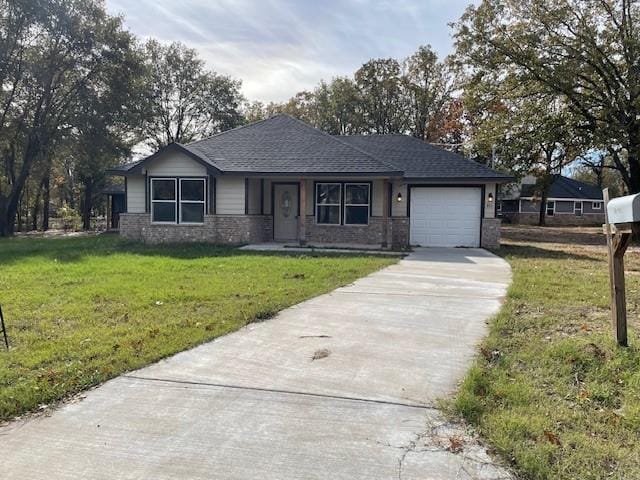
x=302, y=230
x=386, y=193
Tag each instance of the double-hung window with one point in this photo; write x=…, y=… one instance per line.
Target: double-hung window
x=192, y=200
x=328, y=203
x=577, y=209
x=178, y=200
x=356, y=203
x=596, y=205
x=551, y=208
x=164, y=194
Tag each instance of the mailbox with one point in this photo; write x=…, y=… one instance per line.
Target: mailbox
x=624, y=209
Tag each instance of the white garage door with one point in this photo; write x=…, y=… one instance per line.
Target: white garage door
x=445, y=217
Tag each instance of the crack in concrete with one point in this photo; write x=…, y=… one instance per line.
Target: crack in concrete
x=284, y=392
x=435, y=434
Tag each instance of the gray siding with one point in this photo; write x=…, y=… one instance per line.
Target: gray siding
x=254, y=196
x=230, y=195
x=399, y=209
x=490, y=206
x=136, y=194
x=174, y=164
x=587, y=206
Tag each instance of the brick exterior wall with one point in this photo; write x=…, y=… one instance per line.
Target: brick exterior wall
x=559, y=219
x=241, y=229
x=365, y=234
x=399, y=233
x=218, y=229
x=490, y=233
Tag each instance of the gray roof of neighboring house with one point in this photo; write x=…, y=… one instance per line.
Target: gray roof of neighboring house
x=565, y=187
x=283, y=145
x=420, y=160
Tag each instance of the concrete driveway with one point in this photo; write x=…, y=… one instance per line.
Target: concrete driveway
x=342, y=386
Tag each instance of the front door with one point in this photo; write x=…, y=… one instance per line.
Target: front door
x=285, y=212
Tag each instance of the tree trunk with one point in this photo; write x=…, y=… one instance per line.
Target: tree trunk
x=15, y=196
x=36, y=208
x=87, y=205
x=543, y=210
x=4, y=228
x=634, y=171
x=45, y=202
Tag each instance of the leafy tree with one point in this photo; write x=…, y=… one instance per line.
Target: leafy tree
x=253, y=111
x=107, y=119
x=594, y=168
x=185, y=101
x=429, y=86
x=531, y=131
x=50, y=49
x=384, y=106
x=345, y=107
x=583, y=52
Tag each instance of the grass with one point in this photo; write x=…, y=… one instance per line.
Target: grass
x=551, y=391
x=82, y=310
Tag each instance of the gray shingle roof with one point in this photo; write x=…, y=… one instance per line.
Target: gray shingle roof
x=419, y=160
x=283, y=144
x=565, y=187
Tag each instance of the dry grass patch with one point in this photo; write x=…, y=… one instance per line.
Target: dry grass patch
x=551, y=391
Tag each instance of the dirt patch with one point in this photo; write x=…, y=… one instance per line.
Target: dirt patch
x=560, y=235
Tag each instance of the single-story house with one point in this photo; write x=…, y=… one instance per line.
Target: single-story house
x=569, y=202
x=282, y=180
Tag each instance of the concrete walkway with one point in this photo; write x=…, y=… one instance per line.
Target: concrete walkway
x=339, y=387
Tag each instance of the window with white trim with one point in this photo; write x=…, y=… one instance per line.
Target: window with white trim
x=577, y=209
x=328, y=204
x=192, y=200
x=164, y=200
x=551, y=208
x=356, y=203
x=596, y=205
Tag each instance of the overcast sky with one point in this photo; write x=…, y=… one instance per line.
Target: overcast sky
x=279, y=47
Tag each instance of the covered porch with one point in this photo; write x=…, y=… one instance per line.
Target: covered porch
x=322, y=211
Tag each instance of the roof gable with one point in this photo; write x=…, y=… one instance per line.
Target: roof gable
x=565, y=187
x=137, y=167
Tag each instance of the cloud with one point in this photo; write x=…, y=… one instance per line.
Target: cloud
x=279, y=47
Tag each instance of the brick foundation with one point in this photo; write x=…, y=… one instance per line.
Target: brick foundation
x=490, y=233
x=365, y=234
x=399, y=233
x=559, y=219
x=218, y=229
x=371, y=234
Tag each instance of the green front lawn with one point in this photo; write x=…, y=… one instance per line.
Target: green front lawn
x=551, y=391
x=82, y=310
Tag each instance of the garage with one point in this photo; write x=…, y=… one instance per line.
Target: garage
x=445, y=216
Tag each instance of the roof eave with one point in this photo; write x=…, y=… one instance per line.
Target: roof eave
x=173, y=146
x=311, y=174
x=469, y=180
x=118, y=172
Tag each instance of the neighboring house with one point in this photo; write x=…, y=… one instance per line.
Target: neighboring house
x=569, y=202
x=283, y=180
